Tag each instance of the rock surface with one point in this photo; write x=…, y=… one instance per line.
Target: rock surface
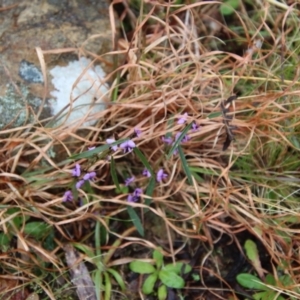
x=48, y=24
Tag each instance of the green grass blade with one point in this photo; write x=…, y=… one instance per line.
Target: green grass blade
x=178, y=141
x=113, y=173
x=144, y=160
x=185, y=165
x=135, y=220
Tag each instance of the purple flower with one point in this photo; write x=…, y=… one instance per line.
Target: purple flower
x=68, y=196
x=167, y=140
x=134, y=197
x=146, y=173
x=182, y=119
x=91, y=148
x=138, y=132
x=175, y=152
x=129, y=180
x=110, y=141
x=184, y=139
x=89, y=176
x=76, y=171
x=160, y=175
x=195, y=127
x=79, y=184
x=127, y=146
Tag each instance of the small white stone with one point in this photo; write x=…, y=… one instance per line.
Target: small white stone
x=85, y=97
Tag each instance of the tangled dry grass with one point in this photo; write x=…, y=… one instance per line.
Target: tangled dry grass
x=172, y=65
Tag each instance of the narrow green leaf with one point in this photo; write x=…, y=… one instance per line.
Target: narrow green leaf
x=144, y=160
x=97, y=278
x=171, y=279
x=97, y=238
x=113, y=173
x=214, y=115
x=162, y=292
x=118, y=277
x=251, y=282
x=149, y=283
x=135, y=220
x=149, y=191
x=158, y=257
x=185, y=165
x=141, y=267
x=178, y=141
x=91, y=153
x=107, y=287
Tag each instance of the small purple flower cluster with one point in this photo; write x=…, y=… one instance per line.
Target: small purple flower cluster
x=135, y=196
x=181, y=120
x=76, y=172
x=127, y=146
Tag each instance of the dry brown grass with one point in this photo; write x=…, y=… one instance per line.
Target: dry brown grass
x=173, y=66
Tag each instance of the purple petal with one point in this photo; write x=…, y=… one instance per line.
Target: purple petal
x=91, y=148
x=68, y=196
x=138, y=192
x=79, y=184
x=160, y=175
x=76, y=171
x=146, y=173
x=195, y=127
x=89, y=176
x=167, y=140
x=138, y=132
x=110, y=141
x=182, y=119
x=129, y=180
x=131, y=144
x=131, y=198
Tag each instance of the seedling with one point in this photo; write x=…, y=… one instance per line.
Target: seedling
x=267, y=289
x=170, y=275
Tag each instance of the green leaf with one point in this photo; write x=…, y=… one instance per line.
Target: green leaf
x=141, y=267
x=135, y=220
x=118, y=278
x=214, y=115
x=4, y=242
x=228, y=7
x=185, y=165
x=251, y=282
x=144, y=160
x=270, y=279
x=113, y=173
x=178, y=268
x=149, y=283
x=178, y=141
x=260, y=296
x=171, y=279
x=107, y=287
x=251, y=250
x=162, y=292
x=252, y=254
x=149, y=191
x=97, y=278
x=158, y=257
x=37, y=230
x=96, y=151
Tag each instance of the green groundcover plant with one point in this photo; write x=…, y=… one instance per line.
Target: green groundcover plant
x=169, y=275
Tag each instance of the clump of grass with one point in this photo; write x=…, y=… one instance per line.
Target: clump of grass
x=166, y=100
